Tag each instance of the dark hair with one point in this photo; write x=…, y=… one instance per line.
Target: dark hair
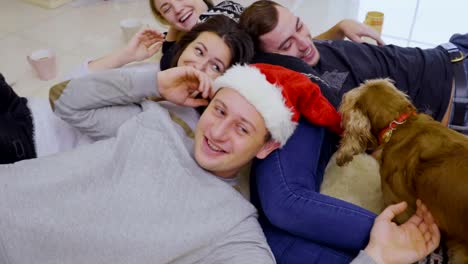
x=258, y=19
x=160, y=17
x=239, y=42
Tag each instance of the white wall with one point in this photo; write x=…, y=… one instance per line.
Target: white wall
x=319, y=15
x=423, y=23
x=434, y=20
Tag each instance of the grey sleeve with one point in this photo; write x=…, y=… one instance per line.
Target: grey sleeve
x=363, y=258
x=245, y=244
x=98, y=104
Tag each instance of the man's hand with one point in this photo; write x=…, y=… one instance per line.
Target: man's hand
x=406, y=243
x=144, y=44
x=354, y=31
x=181, y=84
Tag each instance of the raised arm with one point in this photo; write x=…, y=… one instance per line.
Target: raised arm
x=99, y=104
x=288, y=183
x=141, y=47
x=351, y=29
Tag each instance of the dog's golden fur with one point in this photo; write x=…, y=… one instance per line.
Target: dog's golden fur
x=423, y=159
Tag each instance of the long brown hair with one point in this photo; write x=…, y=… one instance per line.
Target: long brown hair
x=239, y=42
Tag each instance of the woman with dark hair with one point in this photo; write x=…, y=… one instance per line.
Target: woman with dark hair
x=226, y=29
x=30, y=129
x=180, y=15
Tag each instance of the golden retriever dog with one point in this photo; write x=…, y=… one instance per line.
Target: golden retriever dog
x=420, y=158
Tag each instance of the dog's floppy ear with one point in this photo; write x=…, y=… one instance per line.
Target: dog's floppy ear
x=356, y=137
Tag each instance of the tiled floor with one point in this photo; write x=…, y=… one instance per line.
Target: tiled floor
x=91, y=29
x=75, y=33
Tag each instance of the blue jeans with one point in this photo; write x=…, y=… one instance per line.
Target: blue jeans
x=302, y=225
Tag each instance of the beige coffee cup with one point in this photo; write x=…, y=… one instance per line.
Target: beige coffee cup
x=130, y=27
x=43, y=62
x=374, y=19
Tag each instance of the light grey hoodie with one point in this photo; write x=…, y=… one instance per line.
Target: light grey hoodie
x=136, y=197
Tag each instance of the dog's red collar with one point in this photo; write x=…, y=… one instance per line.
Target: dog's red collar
x=386, y=133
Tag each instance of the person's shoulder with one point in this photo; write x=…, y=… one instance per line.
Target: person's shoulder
x=286, y=61
x=299, y=65
x=327, y=43
x=228, y=4
x=230, y=9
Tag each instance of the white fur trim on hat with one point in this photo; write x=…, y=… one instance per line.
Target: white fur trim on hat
x=264, y=96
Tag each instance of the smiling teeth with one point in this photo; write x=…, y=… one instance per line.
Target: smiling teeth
x=182, y=20
x=213, y=147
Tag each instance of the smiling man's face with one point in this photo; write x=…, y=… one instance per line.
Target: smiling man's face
x=229, y=134
x=290, y=37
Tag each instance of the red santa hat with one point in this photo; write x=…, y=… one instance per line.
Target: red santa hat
x=281, y=96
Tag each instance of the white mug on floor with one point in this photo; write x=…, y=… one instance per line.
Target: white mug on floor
x=44, y=63
x=130, y=27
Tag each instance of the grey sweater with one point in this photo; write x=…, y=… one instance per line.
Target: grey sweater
x=136, y=197
x=363, y=258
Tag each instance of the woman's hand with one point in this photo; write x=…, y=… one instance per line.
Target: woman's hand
x=406, y=243
x=144, y=44
x=180, y=85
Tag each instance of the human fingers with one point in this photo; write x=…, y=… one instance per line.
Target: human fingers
x=204, y=82
x=373, y=34
x=415, y=219
x=195, y=102
x=391, y=211
x=150, y=32
x=141, y=32
x=355, y=38
x=152, y=37
x=154, y=48
x=423, y=227
x=428, y=236
x=380, y=41
x=432, y=234
x=424, y=213
x=206, y=86
x=434, y=241
x=149, y=39
x=137, y=38
x=154, y=32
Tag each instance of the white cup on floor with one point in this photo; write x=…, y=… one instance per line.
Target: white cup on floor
x=43, y=62
x=130, y=27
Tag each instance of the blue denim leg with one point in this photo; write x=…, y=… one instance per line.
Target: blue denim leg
x=291, y=249
x=285, y=188
x=461, y=41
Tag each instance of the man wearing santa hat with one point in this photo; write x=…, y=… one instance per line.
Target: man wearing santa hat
x=258, y=107
x=281, y=96
x=154, y=193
